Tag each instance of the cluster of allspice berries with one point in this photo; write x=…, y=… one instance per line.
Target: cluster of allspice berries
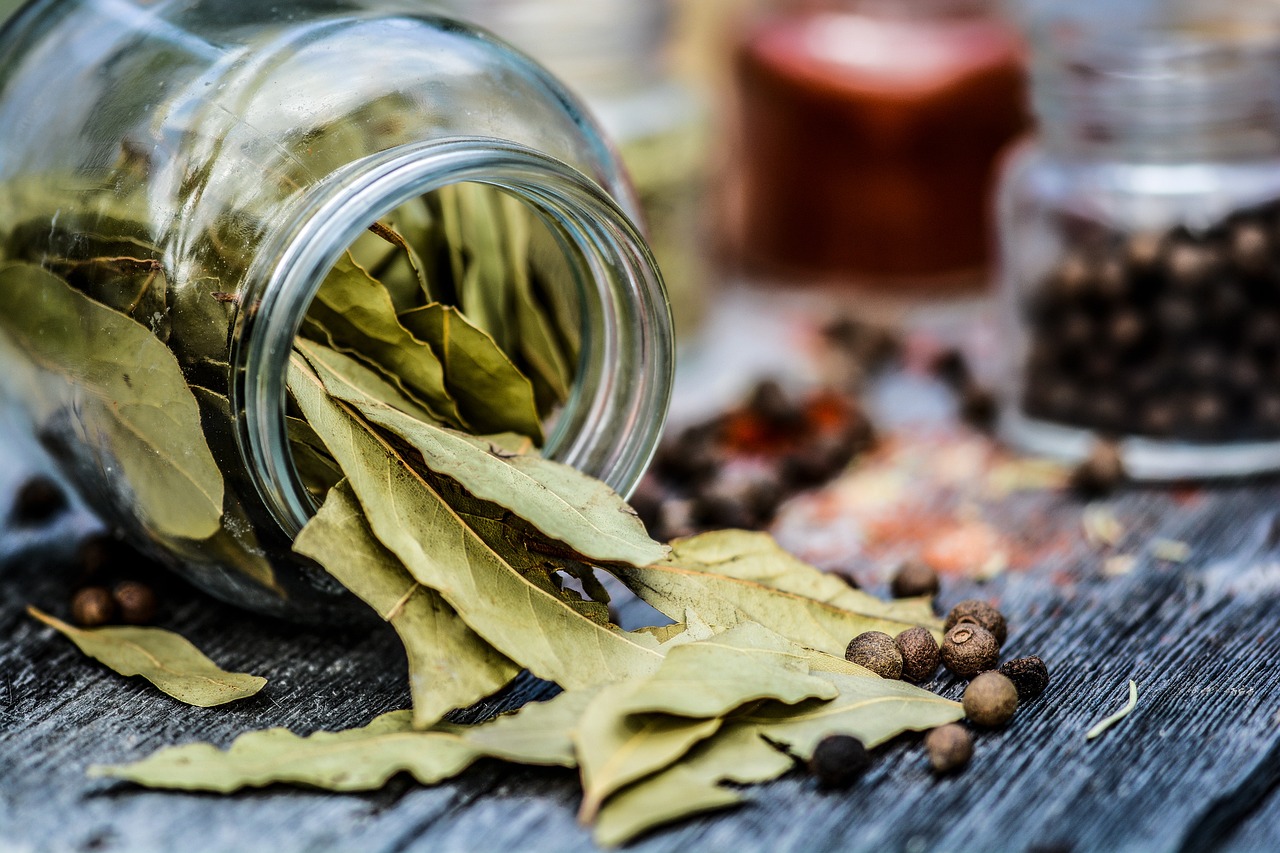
x=975, y=632
x=106, y=595
x=95, y=602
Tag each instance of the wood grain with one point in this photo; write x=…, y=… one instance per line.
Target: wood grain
x=1193, y=767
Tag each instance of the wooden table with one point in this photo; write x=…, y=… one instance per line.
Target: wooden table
x=1194, y=767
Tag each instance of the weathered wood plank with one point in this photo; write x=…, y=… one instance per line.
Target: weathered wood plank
x=1200, y=749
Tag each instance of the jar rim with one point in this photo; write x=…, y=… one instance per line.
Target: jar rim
x=611, y=425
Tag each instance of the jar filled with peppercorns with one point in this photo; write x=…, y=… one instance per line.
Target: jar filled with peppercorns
x=1140, y=234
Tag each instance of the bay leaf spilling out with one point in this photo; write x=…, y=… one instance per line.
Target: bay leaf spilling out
x=165, y=659
x=428, y=371
x=450, y=667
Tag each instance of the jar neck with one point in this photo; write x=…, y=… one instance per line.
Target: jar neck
x=1162, y=97
x=611, y=424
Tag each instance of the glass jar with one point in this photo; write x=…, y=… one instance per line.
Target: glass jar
x=613, y=54
x=1140, y=233
x=870, y=132
x=200, y=165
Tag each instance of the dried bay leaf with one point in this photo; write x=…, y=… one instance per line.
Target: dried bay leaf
x=757, y=557
x=539, y=733
x=361, y=759
x=714, y=677
x=563, y=503
x=723, y=602
x=355, y=760
x=355, y=373
x=735, y=754
x=128, y=387
x=450, y=667
x=493, y=394
x=165, y=659
x=874, y=710
x=615, y=748
x=358, y=312
x=524, y=621
x=539, y=345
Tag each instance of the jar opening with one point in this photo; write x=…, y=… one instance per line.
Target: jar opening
x=592, y=290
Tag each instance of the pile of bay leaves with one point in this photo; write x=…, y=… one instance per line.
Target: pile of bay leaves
x=416, y=426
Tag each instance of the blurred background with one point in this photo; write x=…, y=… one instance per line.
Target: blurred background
x=1074, y=203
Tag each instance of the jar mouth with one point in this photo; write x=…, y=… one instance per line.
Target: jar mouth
x=611, y=424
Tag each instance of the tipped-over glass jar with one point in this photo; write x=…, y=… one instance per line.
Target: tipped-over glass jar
x=177, y=180
x=1141, y=253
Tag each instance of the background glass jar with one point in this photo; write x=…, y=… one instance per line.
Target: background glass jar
x=198, y=167
x=1141, y=251
x=614, y=54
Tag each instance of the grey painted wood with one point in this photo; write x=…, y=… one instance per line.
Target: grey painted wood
x=1192, y=768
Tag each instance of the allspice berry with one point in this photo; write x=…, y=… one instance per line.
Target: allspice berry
x=1029, y=675
x=980, y=613
x=990, y=700
x=914, y=578
x=970, y=649
x=839, y=761
x=136, y=602
x=950, y=747
x=877, y=652
x=92, y=607
x=920, y=655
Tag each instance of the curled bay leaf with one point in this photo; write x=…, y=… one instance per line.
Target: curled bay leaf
x=563, y=503
x=450, y=666
x=874, y=710
x=129, y=390
x=165, y=659
x=492, y=393
x=616, y=748
x=357, y=311
x=736, y=754
x=528, y=623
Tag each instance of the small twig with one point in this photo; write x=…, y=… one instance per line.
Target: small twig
x=1101, y=727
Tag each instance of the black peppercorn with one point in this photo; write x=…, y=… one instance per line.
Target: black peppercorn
x=1190, y=265
x=914, y=578
x=950, y=747
x=990, y=700
x=92, y=607
x=1126, y=329
x=920, y=654
x=978, y=408
x=838, y=761
x=980, y=613
x=1029, y=676
x=38, y=500
x=1101, y=473
x=877, y=652
x=969, y=649
x=136, y=602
